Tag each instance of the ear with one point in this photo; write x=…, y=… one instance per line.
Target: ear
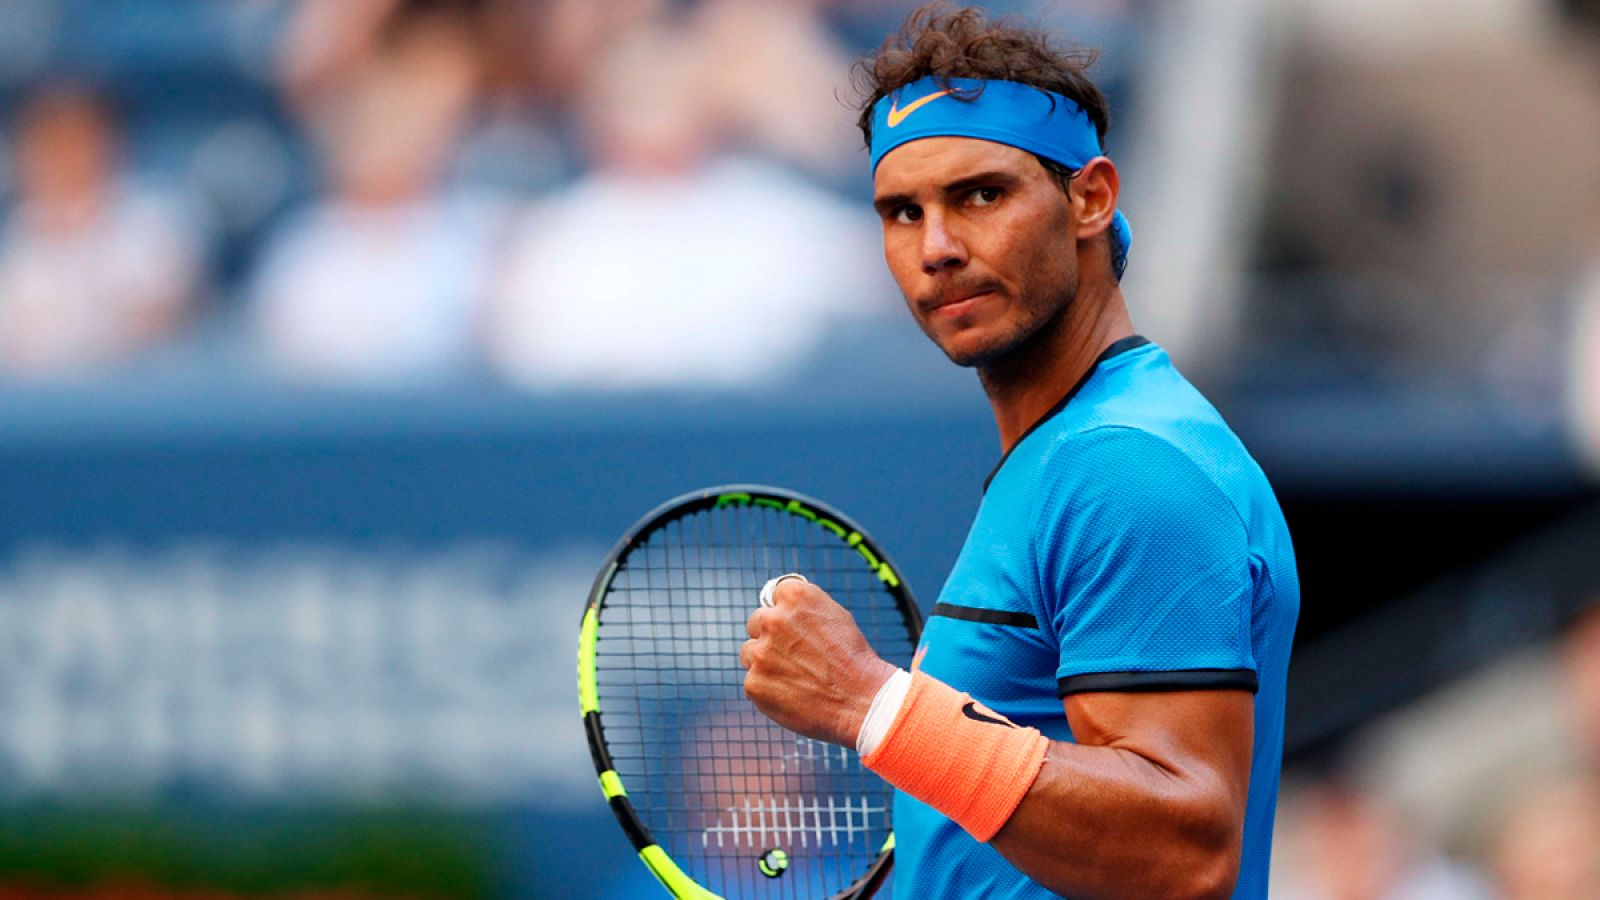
x=1095, y=193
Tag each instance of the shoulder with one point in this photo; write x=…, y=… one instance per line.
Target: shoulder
x=1135, y=428
x=1125, y=463
x=1114, y=492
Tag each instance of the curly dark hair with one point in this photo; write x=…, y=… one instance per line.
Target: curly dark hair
x=942, y=41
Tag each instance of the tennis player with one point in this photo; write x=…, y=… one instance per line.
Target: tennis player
x=1096, y=708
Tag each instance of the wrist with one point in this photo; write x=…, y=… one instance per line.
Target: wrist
x=885, y=706
x=961, y=758
x=862, y=702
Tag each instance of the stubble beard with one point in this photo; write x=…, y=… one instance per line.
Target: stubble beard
x=1018, y=339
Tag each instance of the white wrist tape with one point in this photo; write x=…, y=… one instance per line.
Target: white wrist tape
x=880, y=715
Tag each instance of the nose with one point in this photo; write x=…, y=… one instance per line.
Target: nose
x=941, y=248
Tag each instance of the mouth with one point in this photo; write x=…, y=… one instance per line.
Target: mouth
x=960, y=303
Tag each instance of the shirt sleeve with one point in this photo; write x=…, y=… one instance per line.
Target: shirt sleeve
x=1144, y=567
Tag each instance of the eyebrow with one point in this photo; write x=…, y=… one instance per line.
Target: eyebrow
x=961, y=185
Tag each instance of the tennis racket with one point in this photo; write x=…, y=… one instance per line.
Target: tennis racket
x=718, y=800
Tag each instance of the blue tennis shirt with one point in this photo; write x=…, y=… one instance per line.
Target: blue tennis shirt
x=1128, y=542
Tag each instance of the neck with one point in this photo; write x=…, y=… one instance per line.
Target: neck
x=1024, y=384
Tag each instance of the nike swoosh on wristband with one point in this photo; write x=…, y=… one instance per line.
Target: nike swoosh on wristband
x=971, y=712
x=897, y=115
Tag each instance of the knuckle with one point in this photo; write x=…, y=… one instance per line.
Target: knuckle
x=773, y=622
x=791, y=590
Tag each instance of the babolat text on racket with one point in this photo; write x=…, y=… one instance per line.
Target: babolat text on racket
x=719, y=800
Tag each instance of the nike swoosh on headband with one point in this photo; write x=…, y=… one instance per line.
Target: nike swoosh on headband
x=897, y=115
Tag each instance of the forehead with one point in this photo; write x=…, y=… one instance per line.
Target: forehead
x=931, y=163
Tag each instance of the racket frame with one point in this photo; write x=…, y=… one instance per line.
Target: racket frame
x=655, y=857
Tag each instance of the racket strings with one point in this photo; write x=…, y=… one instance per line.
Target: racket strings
x=718, y=783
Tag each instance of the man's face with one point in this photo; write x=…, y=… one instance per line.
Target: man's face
x=980, y=240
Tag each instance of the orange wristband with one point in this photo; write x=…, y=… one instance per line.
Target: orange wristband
x=958, y=756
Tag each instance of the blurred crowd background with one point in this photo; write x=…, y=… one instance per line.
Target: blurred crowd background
x=339, y=337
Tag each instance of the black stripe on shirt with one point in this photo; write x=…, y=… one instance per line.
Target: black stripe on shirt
x=987, y=616
x=1183, y=680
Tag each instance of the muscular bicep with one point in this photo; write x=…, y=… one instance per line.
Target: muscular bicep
x=1201, y=737
x=1148, y=801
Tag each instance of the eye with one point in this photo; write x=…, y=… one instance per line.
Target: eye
x=905, y=215
x=984, y=196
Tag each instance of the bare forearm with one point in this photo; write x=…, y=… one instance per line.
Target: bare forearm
x=1105, y=822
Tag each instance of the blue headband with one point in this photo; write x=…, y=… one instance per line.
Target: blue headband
x=1018, y=115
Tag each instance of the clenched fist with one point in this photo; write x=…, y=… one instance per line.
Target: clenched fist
x=807, y=665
